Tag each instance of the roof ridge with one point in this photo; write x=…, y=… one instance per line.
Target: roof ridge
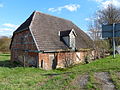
x=32, y=17
x=34, y=13
x=52, y=16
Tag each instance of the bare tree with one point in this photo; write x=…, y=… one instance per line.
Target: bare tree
x=108, y=15
x=95, y=34
x=95, y=30
x=68, y=60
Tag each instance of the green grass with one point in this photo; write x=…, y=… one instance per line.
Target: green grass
x=29, y=78
x=91, y=82
x=116, y=79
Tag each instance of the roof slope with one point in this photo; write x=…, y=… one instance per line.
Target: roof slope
x=45, y=29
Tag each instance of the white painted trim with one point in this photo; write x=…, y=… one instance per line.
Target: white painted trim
x=74, y=32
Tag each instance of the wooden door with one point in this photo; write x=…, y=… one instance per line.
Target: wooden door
x=53, y=61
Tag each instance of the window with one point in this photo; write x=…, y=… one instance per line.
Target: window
x=68, y=38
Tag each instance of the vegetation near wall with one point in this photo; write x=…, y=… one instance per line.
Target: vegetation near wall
x=4, y=44
x=104, y=16
x=102, y=74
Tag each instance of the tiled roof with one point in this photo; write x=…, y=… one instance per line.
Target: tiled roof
x=46, y=28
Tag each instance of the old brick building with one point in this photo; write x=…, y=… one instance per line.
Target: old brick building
x=49, y=42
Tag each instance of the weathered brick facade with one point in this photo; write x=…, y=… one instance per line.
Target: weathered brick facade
x=25, y=53
x=23, y=50
x=60, y=59
x=22, y=47
x=49, y=42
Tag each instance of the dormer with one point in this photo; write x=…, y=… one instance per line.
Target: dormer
x=68, y=37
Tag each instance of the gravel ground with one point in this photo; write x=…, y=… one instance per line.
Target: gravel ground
x=81, y=81
x=104, y=80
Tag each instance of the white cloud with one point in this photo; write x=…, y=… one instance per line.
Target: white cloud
x=5, y=29
x=98, y=0
x=1, y=5
x=105, y=3
x=91, y=19
x=114, y=2
x=54, y=10
x=10, y=25
x=87, y=19
x=70, y=7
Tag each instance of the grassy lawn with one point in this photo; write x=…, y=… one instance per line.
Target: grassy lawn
x=29, y=78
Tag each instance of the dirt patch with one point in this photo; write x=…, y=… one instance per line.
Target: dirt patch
x=118, y=73
x=104, y=81
x=81, y=81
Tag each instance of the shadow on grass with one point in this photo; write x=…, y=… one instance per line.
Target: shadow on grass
x=5, y=55
x=9, y=64
x=57, y=74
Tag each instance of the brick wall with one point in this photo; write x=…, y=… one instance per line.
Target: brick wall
x=22, y=42
x=60, y=60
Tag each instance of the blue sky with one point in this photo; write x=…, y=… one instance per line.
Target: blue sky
x=15, y=12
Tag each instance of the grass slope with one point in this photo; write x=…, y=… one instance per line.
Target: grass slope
x=17, y=78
